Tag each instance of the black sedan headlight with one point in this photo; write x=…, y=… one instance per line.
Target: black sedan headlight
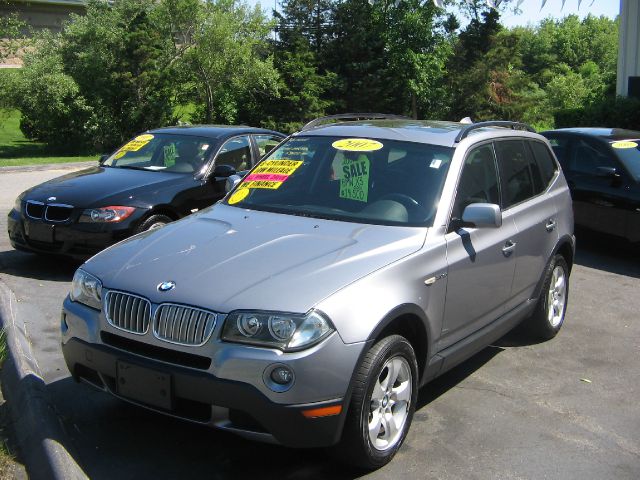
x=87, y=289
x=288, y=332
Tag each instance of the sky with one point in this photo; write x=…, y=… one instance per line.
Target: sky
x=531, y=11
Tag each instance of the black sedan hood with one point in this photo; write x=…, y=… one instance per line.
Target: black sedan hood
x=102, y=186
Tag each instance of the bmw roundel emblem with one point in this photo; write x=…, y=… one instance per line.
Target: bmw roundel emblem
x=166, y=286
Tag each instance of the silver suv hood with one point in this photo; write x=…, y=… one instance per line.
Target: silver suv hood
x=227, y=258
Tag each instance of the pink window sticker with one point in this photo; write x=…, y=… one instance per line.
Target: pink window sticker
x=270, y=177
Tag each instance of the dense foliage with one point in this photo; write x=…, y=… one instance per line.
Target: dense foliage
x=137, y=64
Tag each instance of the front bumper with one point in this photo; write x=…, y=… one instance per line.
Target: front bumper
x=227, y=390
x=78, y=240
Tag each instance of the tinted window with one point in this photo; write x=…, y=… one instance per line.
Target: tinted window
x=629, y=155
x=546, y=163
x=560, y=146
x=587, y=157
x=478, y=182
x=515, y=170
x=236, y=153
x=266, y=143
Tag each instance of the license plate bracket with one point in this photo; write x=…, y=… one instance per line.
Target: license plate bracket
x=40, y=232
x=144, y=385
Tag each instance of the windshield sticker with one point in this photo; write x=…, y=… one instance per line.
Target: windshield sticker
x=435, y=163
x=238, y=196
x=354, y=181
x=357, y=145
x=120, y=154
x=625, y=144
x=170, y=154
x=271, y=173
x=134, y=145
x=144, y=138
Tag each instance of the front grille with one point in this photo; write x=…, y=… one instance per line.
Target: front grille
x=183, y=325
x=55, y=212
x=35, y=209
x=128, y=312
x=58, y=213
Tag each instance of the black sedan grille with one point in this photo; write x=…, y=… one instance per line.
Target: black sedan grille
x=53, y=212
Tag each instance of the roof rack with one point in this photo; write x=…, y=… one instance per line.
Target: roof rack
x=467, y=129
x=354, y=116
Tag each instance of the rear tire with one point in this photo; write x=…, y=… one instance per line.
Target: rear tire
x=548, y=316
x=153, y=222
x=382, y=405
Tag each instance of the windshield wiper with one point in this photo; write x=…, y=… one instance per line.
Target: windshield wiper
x=130, y=167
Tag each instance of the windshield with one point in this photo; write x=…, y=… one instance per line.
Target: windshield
x=163, y=152
x=629, y=153
x=385, y=182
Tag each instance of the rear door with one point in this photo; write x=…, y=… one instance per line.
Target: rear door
x=524, y=186
x=481, y=260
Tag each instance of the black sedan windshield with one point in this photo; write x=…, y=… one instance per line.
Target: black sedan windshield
x=384, y=182
x=163, y=152
x=629, y=152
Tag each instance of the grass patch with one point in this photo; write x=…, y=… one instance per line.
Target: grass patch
x=3, y=347
x=17, y=150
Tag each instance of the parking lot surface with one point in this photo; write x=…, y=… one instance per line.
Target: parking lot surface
x=562, y=409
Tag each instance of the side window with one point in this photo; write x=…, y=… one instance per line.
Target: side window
x=560, y=146
x=546, y=164
x=586, y=158
x=516, y=171
x=478, y=182
x=266, y=143
x=236, y=153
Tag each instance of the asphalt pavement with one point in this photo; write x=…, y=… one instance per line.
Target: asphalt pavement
x=564, y=409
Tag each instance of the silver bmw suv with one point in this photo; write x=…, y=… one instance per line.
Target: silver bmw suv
x=355, y=263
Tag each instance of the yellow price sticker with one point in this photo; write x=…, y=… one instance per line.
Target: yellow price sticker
x=357, y=145
x=624, y=144
x=144, y=138
x=238, y=196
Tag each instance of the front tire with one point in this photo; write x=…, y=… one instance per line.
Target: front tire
x=382, y=404
x=153, y=222
x=548, y=316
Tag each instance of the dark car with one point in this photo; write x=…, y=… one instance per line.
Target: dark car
x=602, y=167
x=157, y=177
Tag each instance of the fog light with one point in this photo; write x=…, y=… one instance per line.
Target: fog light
x=282, y=375
x=279, y=377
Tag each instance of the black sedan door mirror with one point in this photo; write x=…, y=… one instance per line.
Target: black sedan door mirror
x=223, y=171
x=606, y=172
x=102, y=158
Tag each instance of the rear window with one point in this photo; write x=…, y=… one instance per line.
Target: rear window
x=546, y=163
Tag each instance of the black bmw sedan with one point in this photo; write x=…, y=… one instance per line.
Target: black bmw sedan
x=155, y=178
x=602, y=167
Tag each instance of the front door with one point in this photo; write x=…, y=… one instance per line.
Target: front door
x=481, y=260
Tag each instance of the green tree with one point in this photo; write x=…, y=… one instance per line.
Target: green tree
x=229, y=60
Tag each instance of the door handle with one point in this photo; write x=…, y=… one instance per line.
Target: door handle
x=551, y=224
x=508, y=248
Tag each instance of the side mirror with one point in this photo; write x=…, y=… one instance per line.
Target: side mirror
x=102, y=158
x=482, y=215
x=223, y=171
x=231, y=182
x=606, y=172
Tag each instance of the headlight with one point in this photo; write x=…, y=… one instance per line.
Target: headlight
x=87, y=289
x=17, y=206
x=288, y=332
x=112, y=214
